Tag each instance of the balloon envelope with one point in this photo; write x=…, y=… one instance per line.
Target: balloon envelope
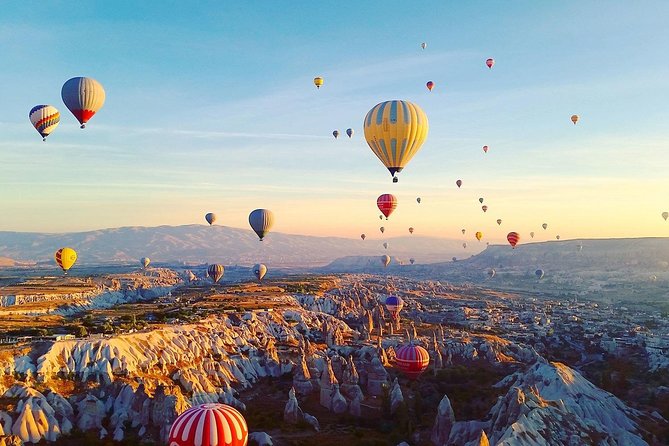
x=491, y=273
x=210, y=217
x=499, y=221
x=395, y=131
x=485, y=149
x=423, y=45
x=481, y=200
x=394, y=304
x=382, y=229
x=212, y=424
x=532, y=234
x=385, y=245
x=490, y=62
x=545, y=225
x=574, y=119
x=412, y=360
x=65, y=258
x=665, y=215
x=479, y=236
x=430, y=85
x=410, y=230
x=261, y=221
x=335, y=134
x=215, y=272
x=484, y=207
x=385, y=260
x=362, y=236
x=144, y=261
x=84, y=97
x=418, y=200
x=412, y=260
x=259, y=270
x=318, y=82
x=387, y=203
x=513, y=238
x=463, y=231
x=458, y=183
x=349, y=132
x=45, y=119
x=539, y=273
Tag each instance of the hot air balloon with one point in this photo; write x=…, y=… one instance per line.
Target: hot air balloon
x=491, y=273
x=463, y=231
x=430, y=85
x=412, y=360
x=485, y=149
x=665, y=215
x=574, y=119
x=545, y=225
x=395, y=131
x=45, y=119
x=385, y=260
x=191, y=277
x=423, y=45
x=394, y=305
x=318, y=81
x=539, y=273
x=144, y=261
x=259, y=270
x=464, y=245
x=490, y=62
x=532, y=234
x=454, y=259
x=211, y=424
x=484, y=207
x=261, y=220
x=385, y=245
x=211, y=218
x=349, y=132
x=335, y=133
x=362, y=236
x=410, y=230
x=215, y=272
x=380, y=217
x=418, y=200
x=83, y=96
x=412, y=260
x=387, y=204
x=499, y=221
x=513, y=239
x=382, y=229
x=557, y=237
x=458, y=183
x=479, y=236
x=481, y=200
x=65, y=258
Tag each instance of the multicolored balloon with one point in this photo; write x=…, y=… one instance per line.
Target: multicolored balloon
x=209, y=424
x=430, y=85
x=513, y=238
x=395, y=131
x=490, y=62
x=65, y=258
x=215, y=272
x=210, y=218
x=387, y=203
x=412, y=360
x=479, y=236
x=45, y=119
x=259, y=270
x=385, y=260
x=318, y=82
x=84, y=97
x=261, y=221
x=144, y=261
x=458, y=183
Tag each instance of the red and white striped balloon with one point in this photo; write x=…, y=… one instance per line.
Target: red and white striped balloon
x=209, y=425
x=412, y=360
x=387, y=204
x=513, y=238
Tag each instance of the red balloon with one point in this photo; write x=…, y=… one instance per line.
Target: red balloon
x=458, y=183
x=209, y=425
x=412, y=360
x=485, y=149
x=430, y=85
x=490, y=62
x=387, y=204
x=513, y=238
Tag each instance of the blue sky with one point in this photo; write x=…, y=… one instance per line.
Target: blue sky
x=211, y=107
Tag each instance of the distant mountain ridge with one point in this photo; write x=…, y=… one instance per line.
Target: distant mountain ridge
x=201, y=243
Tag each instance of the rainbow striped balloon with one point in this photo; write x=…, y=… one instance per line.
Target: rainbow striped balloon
x=209, y=425
x=45, y=119
x=412, y=360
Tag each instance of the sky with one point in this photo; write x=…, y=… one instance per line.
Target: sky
x=211, y=107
